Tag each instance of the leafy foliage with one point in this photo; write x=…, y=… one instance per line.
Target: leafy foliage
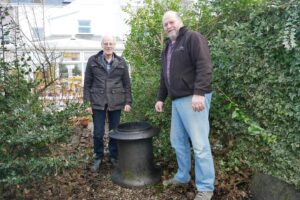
x=30, y=136
x=261, y=76
x=255, y=107
x=143, y=49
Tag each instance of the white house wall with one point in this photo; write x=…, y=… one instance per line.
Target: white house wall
x=60, y=24
x=106, y=18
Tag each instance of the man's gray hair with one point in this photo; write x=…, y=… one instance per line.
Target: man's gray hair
x=173, y=13
x=109, y=37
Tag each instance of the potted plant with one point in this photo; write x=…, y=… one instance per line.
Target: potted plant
x=84, y=121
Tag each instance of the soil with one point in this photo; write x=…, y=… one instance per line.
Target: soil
x=81, y=183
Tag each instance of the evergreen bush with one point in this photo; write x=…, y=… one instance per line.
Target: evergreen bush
x=256, y=77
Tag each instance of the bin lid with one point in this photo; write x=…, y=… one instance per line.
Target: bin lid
x=134, y=131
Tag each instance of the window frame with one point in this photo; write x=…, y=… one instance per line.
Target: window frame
x=84, y=26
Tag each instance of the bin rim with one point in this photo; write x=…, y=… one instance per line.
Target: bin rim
x=144, y=132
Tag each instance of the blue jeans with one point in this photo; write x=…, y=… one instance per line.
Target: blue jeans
x=188, y=125
x=99, y=117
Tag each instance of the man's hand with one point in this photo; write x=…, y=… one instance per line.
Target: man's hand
x=127, y=108
x=89, y=110
x=198, y=103
x=159, y=106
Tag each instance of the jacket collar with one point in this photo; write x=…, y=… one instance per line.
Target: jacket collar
x=116, y=59
x=100, y=53
x=182, y=31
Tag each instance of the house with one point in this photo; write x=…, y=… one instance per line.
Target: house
x=70, y=29
x=62, y=34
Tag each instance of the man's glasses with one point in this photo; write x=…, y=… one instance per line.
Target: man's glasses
x=108, y=44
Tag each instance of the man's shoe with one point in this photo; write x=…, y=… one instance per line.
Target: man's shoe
x=96, y=165
x=114, y=162
x=203, y=196
x=173, y=182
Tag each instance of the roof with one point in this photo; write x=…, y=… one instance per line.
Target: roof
x=75, y=44
x=52, y=2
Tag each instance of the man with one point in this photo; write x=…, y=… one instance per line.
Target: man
x=186, y=79
x=107, y=88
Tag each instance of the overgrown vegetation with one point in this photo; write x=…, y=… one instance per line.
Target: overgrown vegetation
x=31, y=135
x=255, y=107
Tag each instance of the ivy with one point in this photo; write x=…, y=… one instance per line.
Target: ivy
x=261, y=75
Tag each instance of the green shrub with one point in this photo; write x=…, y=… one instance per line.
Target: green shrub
x=31, y=138
x=256, y=74
x=255, y=106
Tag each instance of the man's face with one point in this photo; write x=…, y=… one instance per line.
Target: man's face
x=108, y=45
x=171, y=26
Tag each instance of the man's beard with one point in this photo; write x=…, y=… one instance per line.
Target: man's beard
x=173, y=35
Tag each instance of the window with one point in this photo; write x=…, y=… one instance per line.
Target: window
x=76, y=71
x=37, y=33
x=84, y=26
x=63, y=71
x=71, y=56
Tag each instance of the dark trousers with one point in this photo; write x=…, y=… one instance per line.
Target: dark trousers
x=99, y=117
